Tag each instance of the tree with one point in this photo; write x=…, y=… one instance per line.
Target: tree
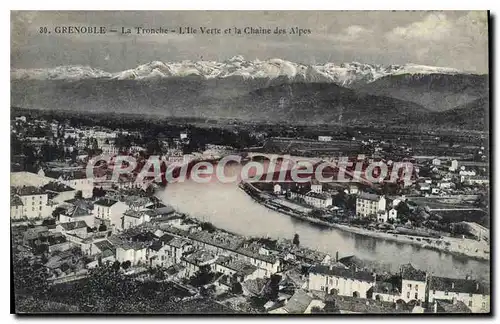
x=116, y=266
x=236, y=288
x=126, y=265
x=296, y=239
x=209, y=227
x=202, y=277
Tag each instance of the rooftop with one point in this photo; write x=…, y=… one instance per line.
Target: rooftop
x=362, y=305
x=73, y=225
x=298, y=303
x=458, y=285
x=105, y=245
x=408, y=272
x=57, y=187
x=30, y=191
x=368, y=196
x=342, y=272
x=106, y=202
x=200, y=257
x=15, y=201
x=448, y=306
x=241, y=267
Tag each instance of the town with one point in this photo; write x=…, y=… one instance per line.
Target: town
x=126, y=249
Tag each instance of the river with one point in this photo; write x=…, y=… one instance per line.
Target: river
x=228, y=207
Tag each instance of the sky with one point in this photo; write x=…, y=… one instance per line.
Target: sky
x=457, y=39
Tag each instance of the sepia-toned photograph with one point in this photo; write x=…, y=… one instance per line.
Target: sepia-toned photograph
x=250, y=162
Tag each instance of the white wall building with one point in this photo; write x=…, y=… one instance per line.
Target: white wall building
x=340, y=281
x=413, y=283
x=471, y=292
x=369, y=204
x=34, y=201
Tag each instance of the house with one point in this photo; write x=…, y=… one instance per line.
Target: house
x=73, y=213
x=135, y=252
x=16, y=207
x=109, y=211
x=197, y=259
x=475, y=295
x=59, y=192
x=436, y=162
x=355, y=305
x=340, y=281
x=383, y=217
x=306, y=255
x=386, y=291
x=323, y=138
x=277, y=189
x=239, y=269
x=34, y=200
x=313, y=198
x=78, y=228
x=318, y=200
x=132, y=218
x=104, y=248
x=76, y=179
x=368, y=204
x=413, y=283
x=300, y=303
x=269, y=263
x=168, y=250
x=449, y=306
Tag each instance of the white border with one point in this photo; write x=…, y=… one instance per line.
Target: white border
x=198, y=5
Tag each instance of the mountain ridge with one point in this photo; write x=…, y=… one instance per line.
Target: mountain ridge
x=345, y=74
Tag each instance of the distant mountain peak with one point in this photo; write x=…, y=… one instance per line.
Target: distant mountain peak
x=345, y=74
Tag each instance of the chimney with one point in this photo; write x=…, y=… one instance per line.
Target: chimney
x=452, y=285
x=477, y=285
x=337, y=256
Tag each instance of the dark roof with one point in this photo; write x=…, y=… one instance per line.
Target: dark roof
x=362, y=305
x=73, y=225
x=15, y=201
x=157, y=245
x=144, y=237
x=342, y=272
x=76, y=211
x=408, y=272
x=106, y=202
x=448, y=306
x=166, y=238
x=57, y=187
x=241, y=267
x=74, y=175
x=105, y=245
x=298, y=303
x=29, y=191
x=368, y=196
x=384, y=287
x=458, y=285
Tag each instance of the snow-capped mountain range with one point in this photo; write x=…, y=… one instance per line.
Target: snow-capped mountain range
x=343, y=74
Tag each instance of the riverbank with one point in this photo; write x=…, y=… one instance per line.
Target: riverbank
x=459, y=247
